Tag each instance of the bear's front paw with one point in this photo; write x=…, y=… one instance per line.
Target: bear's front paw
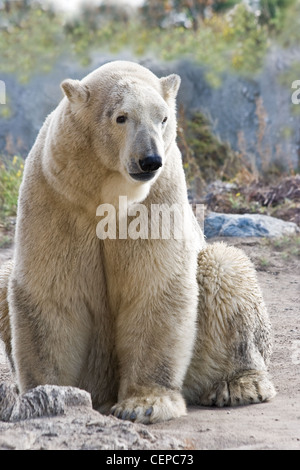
x=151, y=408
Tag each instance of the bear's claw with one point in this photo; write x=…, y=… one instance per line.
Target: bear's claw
x=152, y=408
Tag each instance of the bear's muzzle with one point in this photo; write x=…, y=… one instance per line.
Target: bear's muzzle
x=148, y=166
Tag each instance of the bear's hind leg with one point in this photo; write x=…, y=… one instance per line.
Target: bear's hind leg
x=233, y=344
x=250, y=386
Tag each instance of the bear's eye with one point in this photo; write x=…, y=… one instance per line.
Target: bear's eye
x=164, y=120
x=121, y=119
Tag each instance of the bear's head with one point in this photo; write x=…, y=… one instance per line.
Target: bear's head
x=129, y=116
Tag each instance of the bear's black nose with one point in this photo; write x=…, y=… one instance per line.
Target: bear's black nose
x=151, y=163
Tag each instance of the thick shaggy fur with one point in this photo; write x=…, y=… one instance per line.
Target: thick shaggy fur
x=118, y=318
x=233, y=344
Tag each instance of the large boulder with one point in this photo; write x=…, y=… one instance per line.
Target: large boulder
x=247, y=225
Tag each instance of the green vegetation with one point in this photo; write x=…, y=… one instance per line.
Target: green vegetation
x=237, y=39
x=288, y=246
x=30, y=41
x=205, y=156
x=222, y=42
x=11, y=173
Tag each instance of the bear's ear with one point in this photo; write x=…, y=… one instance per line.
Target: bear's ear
x=170, y=85
x=75, y=91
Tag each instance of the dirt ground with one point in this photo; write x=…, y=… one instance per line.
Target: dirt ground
x=274, y=425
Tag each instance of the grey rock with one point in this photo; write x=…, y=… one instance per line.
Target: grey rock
x=247, y=225
x=50, y=417
x=45, y=400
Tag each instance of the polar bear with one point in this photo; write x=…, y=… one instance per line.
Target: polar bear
x=120, y=317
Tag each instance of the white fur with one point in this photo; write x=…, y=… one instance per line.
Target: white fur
x=117, y=317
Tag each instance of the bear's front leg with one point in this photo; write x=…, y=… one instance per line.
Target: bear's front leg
x=49, y=344
x=150, y=404
x=154, y=342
